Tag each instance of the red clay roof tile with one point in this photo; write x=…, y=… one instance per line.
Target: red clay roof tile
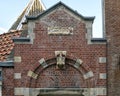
x=6, y=43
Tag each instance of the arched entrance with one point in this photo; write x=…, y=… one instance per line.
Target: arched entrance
x=54, y=81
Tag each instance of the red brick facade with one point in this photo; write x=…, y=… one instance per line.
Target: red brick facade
x=28, y=76
x=112, y=22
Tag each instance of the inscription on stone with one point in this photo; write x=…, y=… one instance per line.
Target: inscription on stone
x=60, y=30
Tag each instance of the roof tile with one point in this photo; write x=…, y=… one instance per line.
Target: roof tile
x=6, y=43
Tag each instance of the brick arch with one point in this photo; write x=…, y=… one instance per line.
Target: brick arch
x=48, y=76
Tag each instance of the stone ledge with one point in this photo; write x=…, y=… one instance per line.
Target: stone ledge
x=36, y=91
x=7, y=64
x=98, y=40
x=21, y=39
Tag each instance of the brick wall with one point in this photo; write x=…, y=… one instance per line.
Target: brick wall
x=112, y=19
x=27, y=56
x=8, y=82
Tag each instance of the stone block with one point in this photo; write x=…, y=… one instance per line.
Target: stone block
x=21, y=91
x=42, y=60
x=43, y=63
x=101, y=91
x=78, y=63
x=102, y=75
x=88, y=75
x=102, y=59
x=18, y=91
x=32, y=74
x=17, y=75
x=17, y=59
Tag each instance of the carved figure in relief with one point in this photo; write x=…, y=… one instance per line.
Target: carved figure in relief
x=60, y=56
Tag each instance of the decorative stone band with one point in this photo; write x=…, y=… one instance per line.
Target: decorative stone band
x=32, y=74
x=75, y=91
x=17, y=59
x=43, y=63
x=88, y=75
x=78, y=63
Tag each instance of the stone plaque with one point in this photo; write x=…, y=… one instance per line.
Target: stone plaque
x=60, y=30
